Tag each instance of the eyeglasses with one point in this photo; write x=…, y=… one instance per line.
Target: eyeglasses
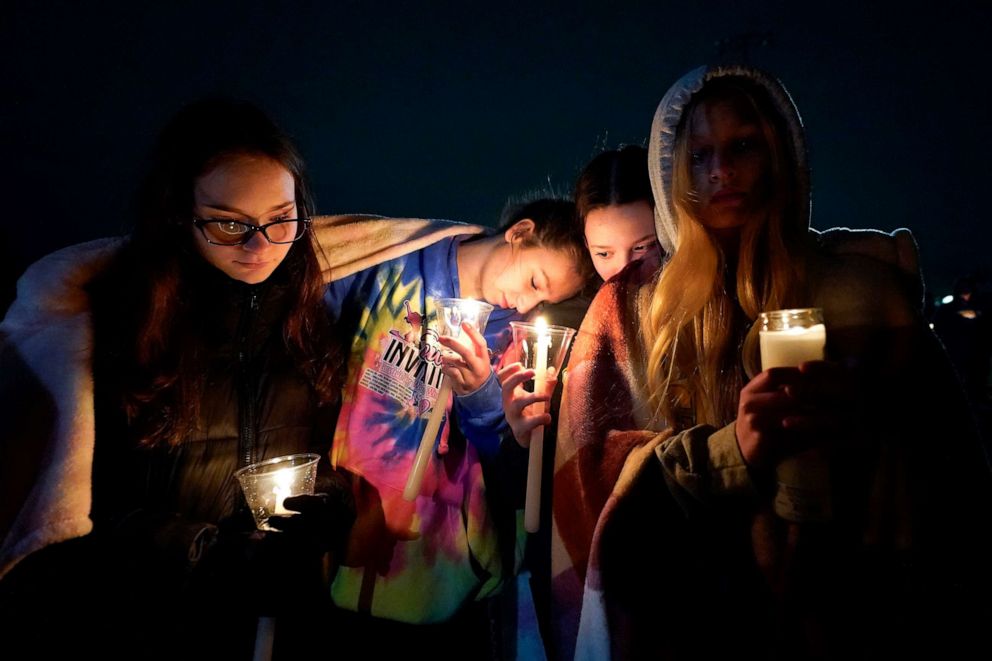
x=237, y=233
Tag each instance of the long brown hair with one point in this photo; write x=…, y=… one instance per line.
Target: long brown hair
x=695, y=330
x=164, y=352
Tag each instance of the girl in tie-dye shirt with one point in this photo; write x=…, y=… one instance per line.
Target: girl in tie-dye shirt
x=428, y=561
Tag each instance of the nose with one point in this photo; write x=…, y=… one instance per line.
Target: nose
x=257, y=243
x=722, y=167
x=615, y=268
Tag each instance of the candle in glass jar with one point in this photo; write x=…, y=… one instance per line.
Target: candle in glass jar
x=792, y=346
x=789, y=338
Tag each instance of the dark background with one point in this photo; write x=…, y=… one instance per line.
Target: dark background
x=445, y=112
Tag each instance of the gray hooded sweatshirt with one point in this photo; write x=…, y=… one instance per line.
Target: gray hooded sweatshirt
x=664, y=542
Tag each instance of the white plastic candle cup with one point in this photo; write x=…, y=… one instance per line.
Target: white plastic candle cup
x=789, y=338
x=526, y=349
x=542, y=348
x=451, y=314
x=267, y=484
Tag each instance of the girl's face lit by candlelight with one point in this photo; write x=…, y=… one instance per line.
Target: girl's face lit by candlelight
x=523, y=276
x=251, y=189
x=618, y=234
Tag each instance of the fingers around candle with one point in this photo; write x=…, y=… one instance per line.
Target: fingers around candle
x=478, y=339
x=507, y=371
x=463, y=349
x=519, y=404
x=514, y=381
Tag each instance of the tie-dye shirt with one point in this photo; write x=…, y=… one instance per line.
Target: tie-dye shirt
x=393, y=379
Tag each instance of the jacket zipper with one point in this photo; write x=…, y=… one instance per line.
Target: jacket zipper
x=246, y=406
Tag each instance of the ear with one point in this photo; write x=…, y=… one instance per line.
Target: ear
x=520, y=230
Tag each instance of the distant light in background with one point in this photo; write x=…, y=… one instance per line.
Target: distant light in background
x=947, y=299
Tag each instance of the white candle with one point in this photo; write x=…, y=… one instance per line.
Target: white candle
x=792, y=346
x=426, y=447
x=283, y=484
x=452, y=313
x=532, y=506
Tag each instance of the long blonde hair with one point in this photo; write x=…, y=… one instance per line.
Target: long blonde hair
x=695, y=332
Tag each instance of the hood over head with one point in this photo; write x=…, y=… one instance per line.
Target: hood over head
x=667, y=117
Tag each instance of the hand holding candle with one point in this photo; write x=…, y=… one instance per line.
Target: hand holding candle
x=267, y=484
x=789, y=338
x=542, y=348
x=451, y=314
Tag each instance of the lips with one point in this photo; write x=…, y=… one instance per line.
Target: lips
x=727, y=196
x=252, y=265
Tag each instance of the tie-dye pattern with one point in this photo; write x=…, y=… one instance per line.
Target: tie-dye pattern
x=393, y=377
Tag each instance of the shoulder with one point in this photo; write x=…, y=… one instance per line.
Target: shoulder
x=622, y=290
x=884, y=254
x=352, y=243
x=613, y=316
x=855, y=289
x=56, y=285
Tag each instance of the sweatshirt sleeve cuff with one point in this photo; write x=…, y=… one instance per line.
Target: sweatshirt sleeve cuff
x=728, y=472
x=483, y=407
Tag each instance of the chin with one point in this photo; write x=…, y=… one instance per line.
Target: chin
x=251, y=277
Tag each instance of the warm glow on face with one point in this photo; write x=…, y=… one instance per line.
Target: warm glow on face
x=250, y=189
x=618, y=234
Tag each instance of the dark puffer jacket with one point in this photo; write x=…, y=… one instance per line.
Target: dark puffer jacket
x=157, y=511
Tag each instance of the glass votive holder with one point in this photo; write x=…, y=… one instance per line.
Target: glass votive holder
x=267, y=484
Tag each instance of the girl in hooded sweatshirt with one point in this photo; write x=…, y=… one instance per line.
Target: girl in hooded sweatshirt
x=671, y=433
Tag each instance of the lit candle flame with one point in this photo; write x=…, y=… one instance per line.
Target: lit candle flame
x=281, y=489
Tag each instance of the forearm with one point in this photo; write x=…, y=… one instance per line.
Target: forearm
x=703, y=465
x=481, y=419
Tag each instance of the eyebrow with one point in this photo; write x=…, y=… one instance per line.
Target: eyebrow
x=223, y=207
x=646, y=237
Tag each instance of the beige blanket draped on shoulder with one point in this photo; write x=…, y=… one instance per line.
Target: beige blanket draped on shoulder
x=46, y=382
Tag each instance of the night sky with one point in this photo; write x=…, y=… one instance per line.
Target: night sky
x=402, y=110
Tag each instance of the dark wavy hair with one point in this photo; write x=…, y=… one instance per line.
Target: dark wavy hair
x=618, y=176
x=556, y=227
x=164, y=365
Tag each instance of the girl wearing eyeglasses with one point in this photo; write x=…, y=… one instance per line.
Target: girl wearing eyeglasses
x=211, y=349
